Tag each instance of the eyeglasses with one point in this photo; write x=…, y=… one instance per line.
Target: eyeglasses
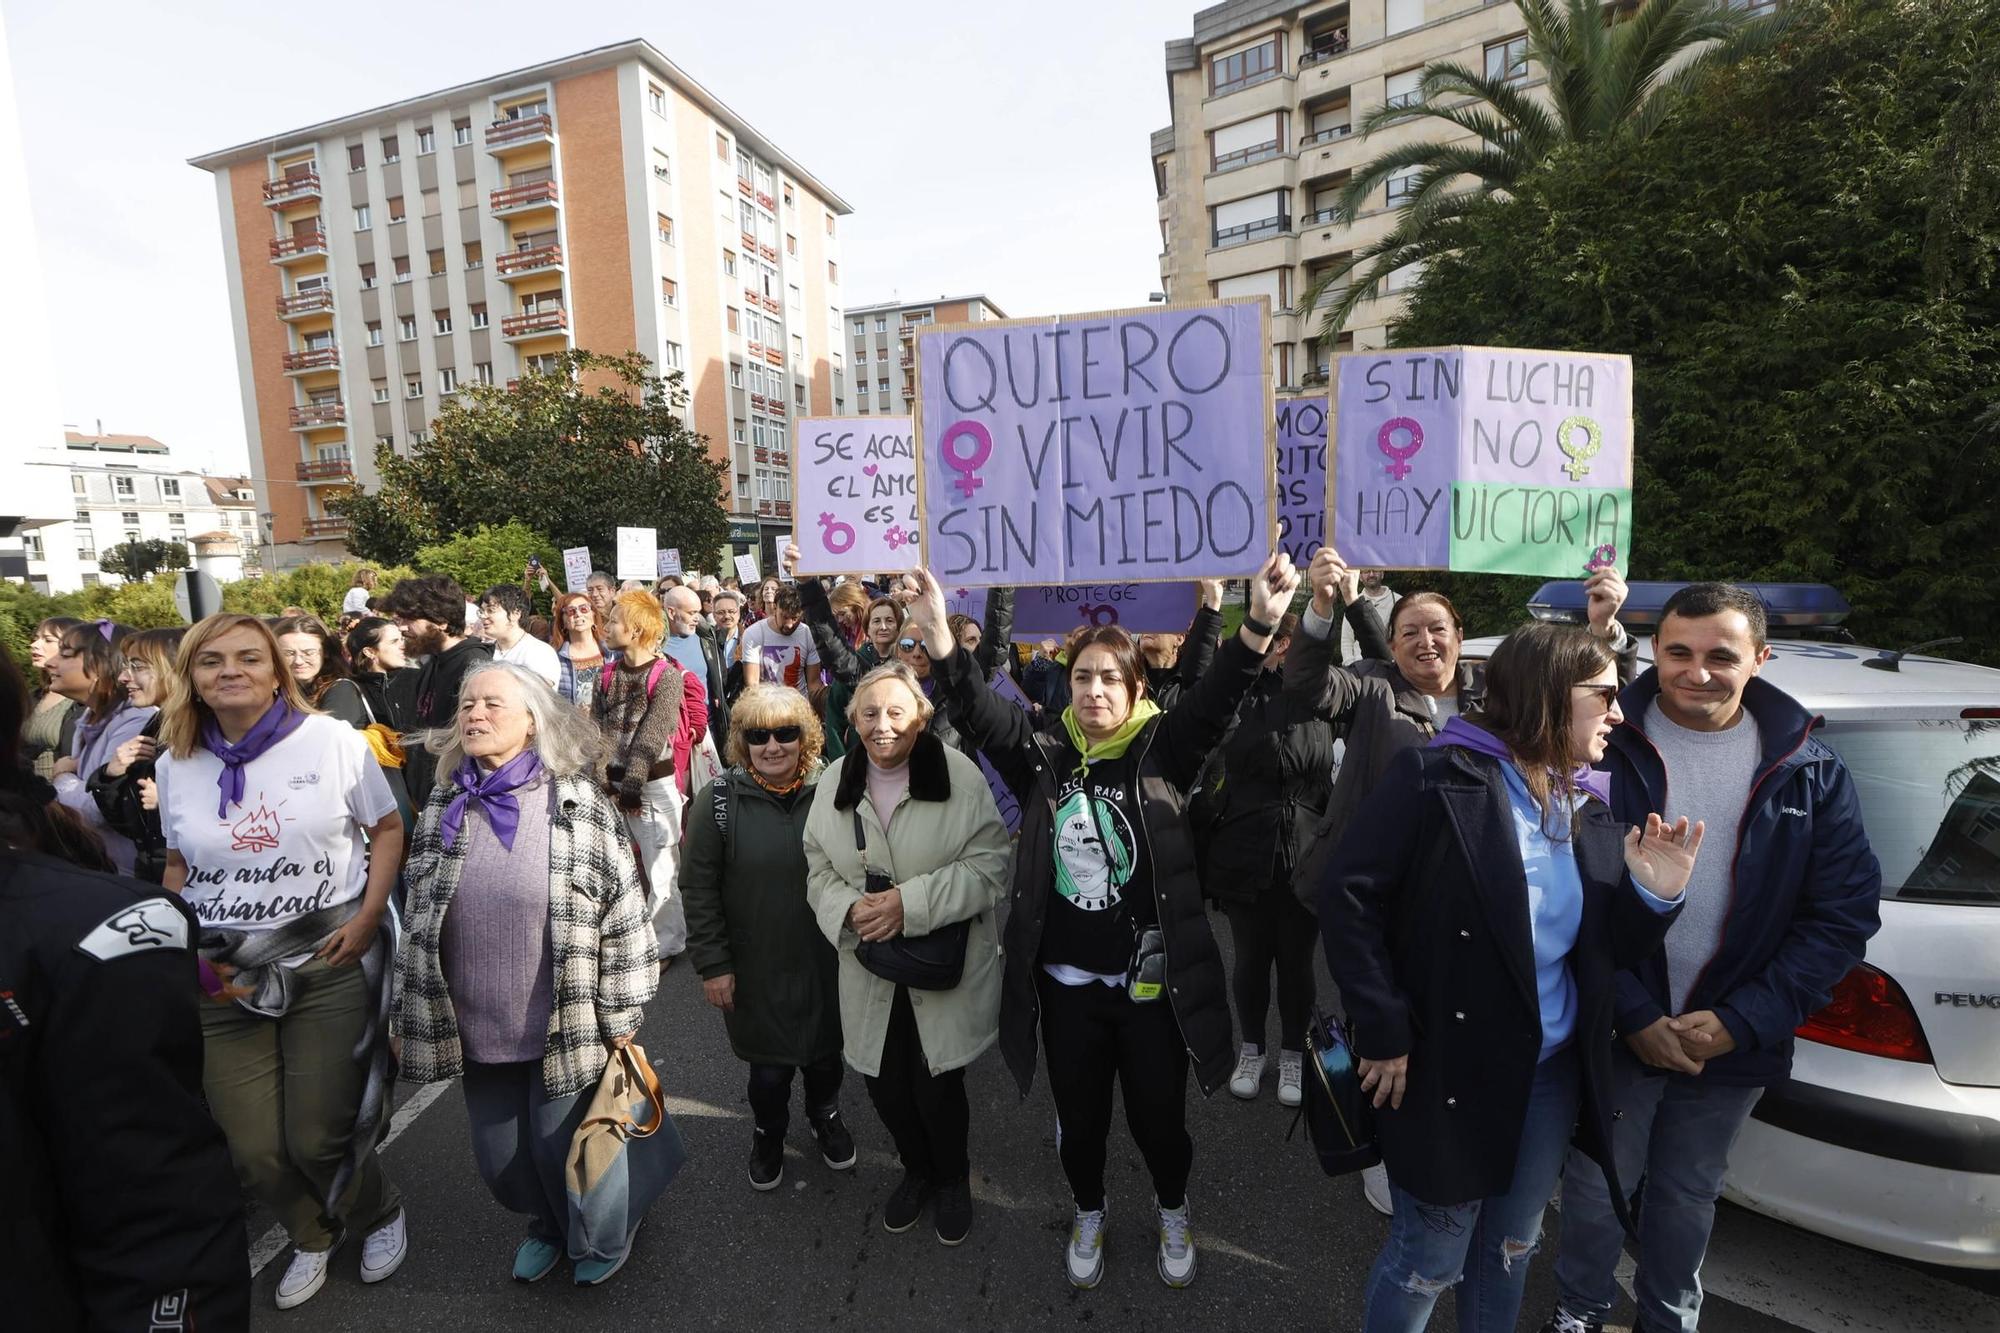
x=302, y=654
x=907, y=645
x=765, y=735
x=135, y=666
x=1606, y=694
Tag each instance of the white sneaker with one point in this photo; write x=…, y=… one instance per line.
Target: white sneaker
x=383, y=1252
x=1249, y=1073
x=1176, y=1247
x=304, y=1276
x=1291, y=1075
x=1375, y=1188
x=1085, y=1255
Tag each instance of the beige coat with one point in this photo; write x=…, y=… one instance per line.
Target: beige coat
x=948, y=851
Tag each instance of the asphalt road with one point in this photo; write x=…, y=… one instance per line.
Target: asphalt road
x=1281, y=1246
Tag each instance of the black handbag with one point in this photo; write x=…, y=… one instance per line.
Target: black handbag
x=1339, y=1116
x=934, y=961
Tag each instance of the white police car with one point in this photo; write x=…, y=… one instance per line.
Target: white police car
x=1888, y=1133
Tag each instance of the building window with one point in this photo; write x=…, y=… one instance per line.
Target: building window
x=793, y=292
x=1508, y=61
x=381, y=391
x=361, y=219
x=76, y=484
x=443, y=319
x=395, y=210
x=656, y=99
x=729, y=263
x=461, y=133
x=123, y=487
x=483, y=371
x=1403, y=15
x=428, y=201
x=1243, y=69
x=374, y=335
x=1403, y=88
x=413, y=386
x=468, y=194
x=479, y=317
x=671, y=356
x=427, y=142
x=722, y=146
x=829, y=224
x=799, y=395
x=170, y=488
x=401, y=265
x=437, y=263
x=367, y=277
x=475, y=257
x=833, y=272
x=670, y=292
x=664, y=225
x=663, y=167
x=447, y=380
x=357, y=159
x=882, y=387
x=791, y=244
x=789, y=201
x=177, y=520
x=735, y=375
x=390, y=151
x=881, y=323
x=406, y=328
x=1401, y=187
x=130, y=519
x=385, y=441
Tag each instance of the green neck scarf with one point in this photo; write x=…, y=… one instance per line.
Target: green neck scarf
x=1114, y=745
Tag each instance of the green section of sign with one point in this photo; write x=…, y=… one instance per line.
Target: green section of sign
x=1552, y=531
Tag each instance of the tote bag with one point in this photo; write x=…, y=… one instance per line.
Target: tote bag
x=625, y=1154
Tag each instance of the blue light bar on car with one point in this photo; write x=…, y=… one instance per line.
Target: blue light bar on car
x=1786, y=605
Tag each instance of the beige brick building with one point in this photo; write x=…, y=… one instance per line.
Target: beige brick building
x=881, y=351
x=1266, y=98
x=604, y=201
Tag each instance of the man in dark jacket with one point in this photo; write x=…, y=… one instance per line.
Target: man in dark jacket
x=431, y=613
x=1707, y=1019
x=118, y=1205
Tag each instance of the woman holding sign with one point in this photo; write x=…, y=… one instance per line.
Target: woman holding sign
x=1475, y=918
x=1108, y=952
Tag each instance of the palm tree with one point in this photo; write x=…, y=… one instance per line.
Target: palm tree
x=1612, y=70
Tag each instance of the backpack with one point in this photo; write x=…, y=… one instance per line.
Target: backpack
x=718, y=805
x=658, y=669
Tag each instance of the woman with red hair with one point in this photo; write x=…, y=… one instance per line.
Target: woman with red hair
x=579, y=645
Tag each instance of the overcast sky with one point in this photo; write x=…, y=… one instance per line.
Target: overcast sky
x=995, y=149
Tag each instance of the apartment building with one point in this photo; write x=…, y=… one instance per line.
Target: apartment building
x=128, y=488
x=603, y=201
x=882, y=349
x=1266, y=97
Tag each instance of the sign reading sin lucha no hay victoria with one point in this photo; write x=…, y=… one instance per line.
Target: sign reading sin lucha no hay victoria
x=1126, y=447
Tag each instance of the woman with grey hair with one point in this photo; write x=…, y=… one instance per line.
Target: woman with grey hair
x=529, y=954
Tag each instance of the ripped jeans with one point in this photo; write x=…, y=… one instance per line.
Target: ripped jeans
x=1484, y=1246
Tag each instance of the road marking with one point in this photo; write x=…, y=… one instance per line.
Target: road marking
x=273, y=1242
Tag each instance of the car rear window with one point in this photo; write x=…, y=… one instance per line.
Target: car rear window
x=1930, y=799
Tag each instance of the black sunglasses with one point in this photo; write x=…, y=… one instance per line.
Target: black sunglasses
x=906, y=645
x=765, y=735
x=1606, y=693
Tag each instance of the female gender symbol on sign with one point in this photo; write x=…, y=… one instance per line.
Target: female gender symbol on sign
x=966, y=464
x=1399, y=457
x=1580, y=452
x=836, y=536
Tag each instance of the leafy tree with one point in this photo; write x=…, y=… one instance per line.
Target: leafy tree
x=598, y=443
x=489, y=555
x=22, y=608
x=138, y=560
x=1802, y=267
x=1605, y=81
x=316, y=588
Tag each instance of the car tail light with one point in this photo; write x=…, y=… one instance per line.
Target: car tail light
x=1869, y=1013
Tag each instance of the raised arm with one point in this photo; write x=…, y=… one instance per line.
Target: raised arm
x=1003, y=733
x=996, y=636
x=836, y=654
x=1203, y=637
x=1313, y=671
x=1198, y=720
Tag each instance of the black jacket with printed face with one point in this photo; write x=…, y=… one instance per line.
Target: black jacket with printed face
x=1169, y=752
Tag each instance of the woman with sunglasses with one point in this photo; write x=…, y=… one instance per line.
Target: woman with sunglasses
x=579, y=643
x=123, y=786
x=85, y=670
x=1475, y=917
x=752, y=934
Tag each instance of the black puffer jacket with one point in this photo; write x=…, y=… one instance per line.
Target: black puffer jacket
x=1266, y=793
x=1170, y=751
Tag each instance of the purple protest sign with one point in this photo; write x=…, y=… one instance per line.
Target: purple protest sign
x=1143, y=608
x=966, y=602
x=1114, y=448
x=855, y=484
x=1301, y=477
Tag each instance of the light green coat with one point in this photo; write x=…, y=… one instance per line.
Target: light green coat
x=950, y=858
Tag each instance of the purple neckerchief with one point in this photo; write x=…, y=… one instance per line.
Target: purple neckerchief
x=1457, y=731
x=279, y=721
x=493, y=792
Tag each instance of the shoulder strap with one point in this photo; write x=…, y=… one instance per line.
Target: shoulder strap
x=658, y=669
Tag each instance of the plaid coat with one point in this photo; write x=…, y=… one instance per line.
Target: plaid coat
x=605, y=953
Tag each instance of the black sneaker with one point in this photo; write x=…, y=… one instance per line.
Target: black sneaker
x=906, y=1205
x=1562, y=1321
x=767, y=1160
x=954, y=1211
x=836, y=1145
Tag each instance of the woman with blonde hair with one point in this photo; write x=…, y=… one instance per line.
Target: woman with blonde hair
x=51, y=721
x=359, y=595
x=528, y=958
x=283, y=836
x=85, y=670
x=762, y=959
x=123, y=785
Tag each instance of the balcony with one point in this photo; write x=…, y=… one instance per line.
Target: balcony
x=1327, y=135
x=325, y=529
x=784, y=509
x=774, y=355
x=745, y=188
x=327, y=470
x=774, y=305
x=749, y=244
x=1323, y=217
x=906, y=331
x=765, y=201
x=779, y=458
x=761, y=454
x=312, y=416
x=303, y=245
x=769, y=252
x=909, y=394
x=768, y=508
x=775, y=406
x=1225, y=237
x=534, y=323
x=521, y=263
x=520, y=198
x=291, y=187
x=756, y=349
x=312, y=358
x=1243, y=157
x=1325, y=47
x=503, y=135
x=909, y=361
x=305, y=303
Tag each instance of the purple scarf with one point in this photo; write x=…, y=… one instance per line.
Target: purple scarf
x=87, y=731
x=1457, y=731
x=493, y=792
x=279, y=721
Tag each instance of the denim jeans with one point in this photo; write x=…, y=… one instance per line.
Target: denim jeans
x=521, y=1139
x=1676, y=1132
x=1486, y=1242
